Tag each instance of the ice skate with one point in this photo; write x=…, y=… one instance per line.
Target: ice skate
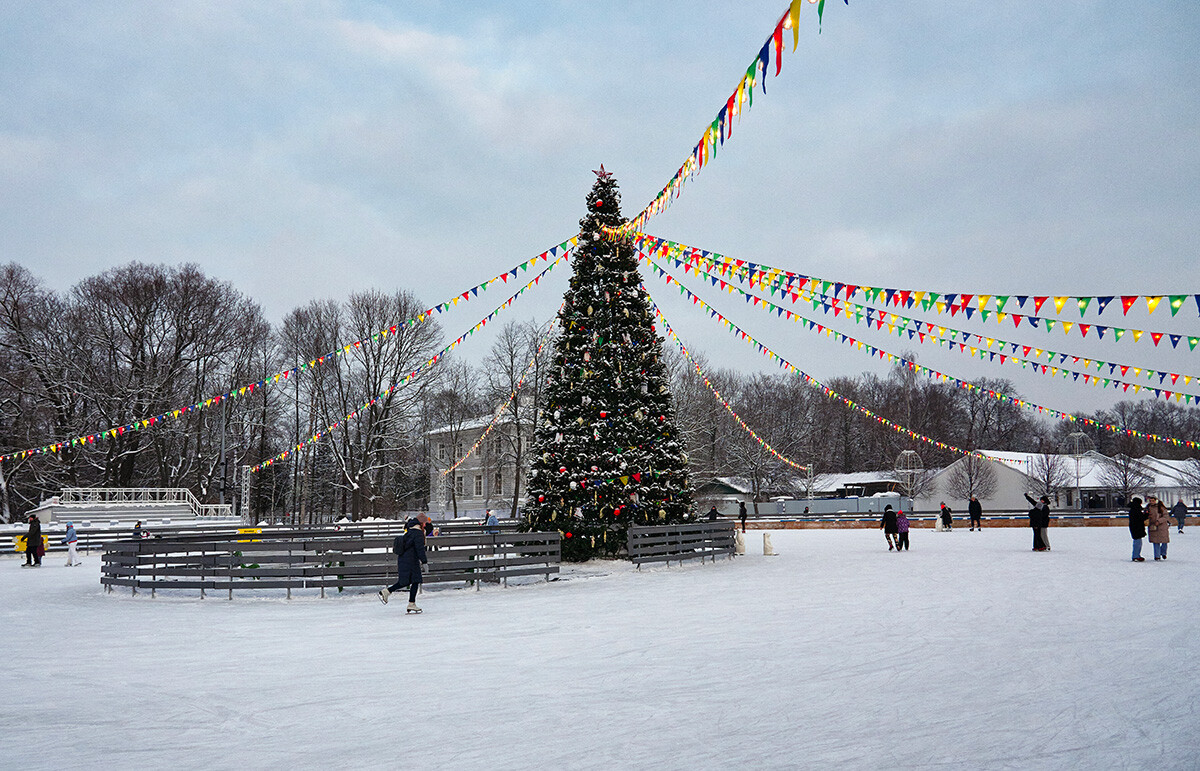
x=383, y=595
x=412, y=608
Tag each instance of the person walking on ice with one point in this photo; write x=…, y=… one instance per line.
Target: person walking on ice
x=947, y=521
x=410, y=556
x=975, y=509
x=890, y=527
x=1179, y=512
x=70, y=539
x=1159, y=528
x=902, y=527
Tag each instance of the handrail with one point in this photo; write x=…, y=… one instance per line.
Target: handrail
x=144, y=496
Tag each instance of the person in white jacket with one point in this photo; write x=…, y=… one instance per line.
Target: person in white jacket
x=71, y=540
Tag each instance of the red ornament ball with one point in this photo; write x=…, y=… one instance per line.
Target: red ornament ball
x=541, y=498
x=599, y=203
x=568, y=534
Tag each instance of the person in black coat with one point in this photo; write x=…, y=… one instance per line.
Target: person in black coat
x=742, y=514
x=1137, y=528
x=33, y=543
x=1039, y=521
x=890, y=527
x=410, y=556
x=975, y=509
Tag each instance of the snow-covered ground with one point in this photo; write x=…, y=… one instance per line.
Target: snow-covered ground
x=970, y=651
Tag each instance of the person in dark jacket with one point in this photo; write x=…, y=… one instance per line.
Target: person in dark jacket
x=1179, y=512
x=1137, y=528
x=947, y=522
x=410, y=556
x=34, y=548
x=975, y=509
x=890, y=527
x=1035, y=521
x=712, y=514
x=742, y=514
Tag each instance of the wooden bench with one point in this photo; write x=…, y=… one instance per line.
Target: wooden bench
x=664, y=543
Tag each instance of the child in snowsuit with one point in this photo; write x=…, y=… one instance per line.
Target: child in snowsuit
x=410, y=556
x=902, y=526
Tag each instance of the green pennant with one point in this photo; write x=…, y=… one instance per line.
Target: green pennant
x=1083, y=305
x=1176, y=302
x=1001, y=299
x=1118, y=332
x=1192, y=342
x=1050, y=325
x=984, y=315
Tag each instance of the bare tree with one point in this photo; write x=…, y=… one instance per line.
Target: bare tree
x=1125, y=476
x=972, y=476
x=453, y=407
x=1190, y=476
x=515, y=369
x=1048, y=473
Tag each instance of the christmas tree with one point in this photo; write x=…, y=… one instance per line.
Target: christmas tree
x=606, y=452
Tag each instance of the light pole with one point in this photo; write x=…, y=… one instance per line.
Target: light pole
x=1077, y=445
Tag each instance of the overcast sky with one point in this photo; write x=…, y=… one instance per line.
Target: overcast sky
x=306, y=150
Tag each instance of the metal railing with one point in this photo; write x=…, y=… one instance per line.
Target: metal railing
x=144, y=496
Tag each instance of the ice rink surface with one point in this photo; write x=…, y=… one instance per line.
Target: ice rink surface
x=969, y=652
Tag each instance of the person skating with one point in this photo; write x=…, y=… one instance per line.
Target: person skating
x=712, y=514
x=1035, y=523
x=1137, y=528
x=1179, y=512
x=975, y=509
x=902, y=534
x=1159, y=527
x=410, y=556
x=947, y=521
x=137, y=530
x=34, y=548
x=890, y=527
x=742, y=514
x=70, y=539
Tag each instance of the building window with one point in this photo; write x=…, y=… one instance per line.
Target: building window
x=458, y=448
x=441, y=452
x=478, y=485
x=458, y=484
x=498, y=483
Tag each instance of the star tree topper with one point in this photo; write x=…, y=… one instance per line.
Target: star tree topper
x=602, y=174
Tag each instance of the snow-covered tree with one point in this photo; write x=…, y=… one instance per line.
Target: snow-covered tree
x=606, y=453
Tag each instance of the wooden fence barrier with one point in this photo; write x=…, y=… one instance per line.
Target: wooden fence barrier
x=317, y=559
x=663, y=543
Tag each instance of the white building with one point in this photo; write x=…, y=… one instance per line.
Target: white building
x=1082, y=477
x=470, y=475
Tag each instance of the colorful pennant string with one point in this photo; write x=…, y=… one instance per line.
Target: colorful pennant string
x=247, y=390
x=407, y=378
x=829, y=392
x=939, y=302
x=738, y=102
x=955, y=339
x=931, y=373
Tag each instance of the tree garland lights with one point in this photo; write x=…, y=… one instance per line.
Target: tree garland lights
x=898, y=325
x=504, y=407
x=250, y=388
x=717, y=394
x=788, y=282
x=931, y=373
x=740, y=100
x=410, y=376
